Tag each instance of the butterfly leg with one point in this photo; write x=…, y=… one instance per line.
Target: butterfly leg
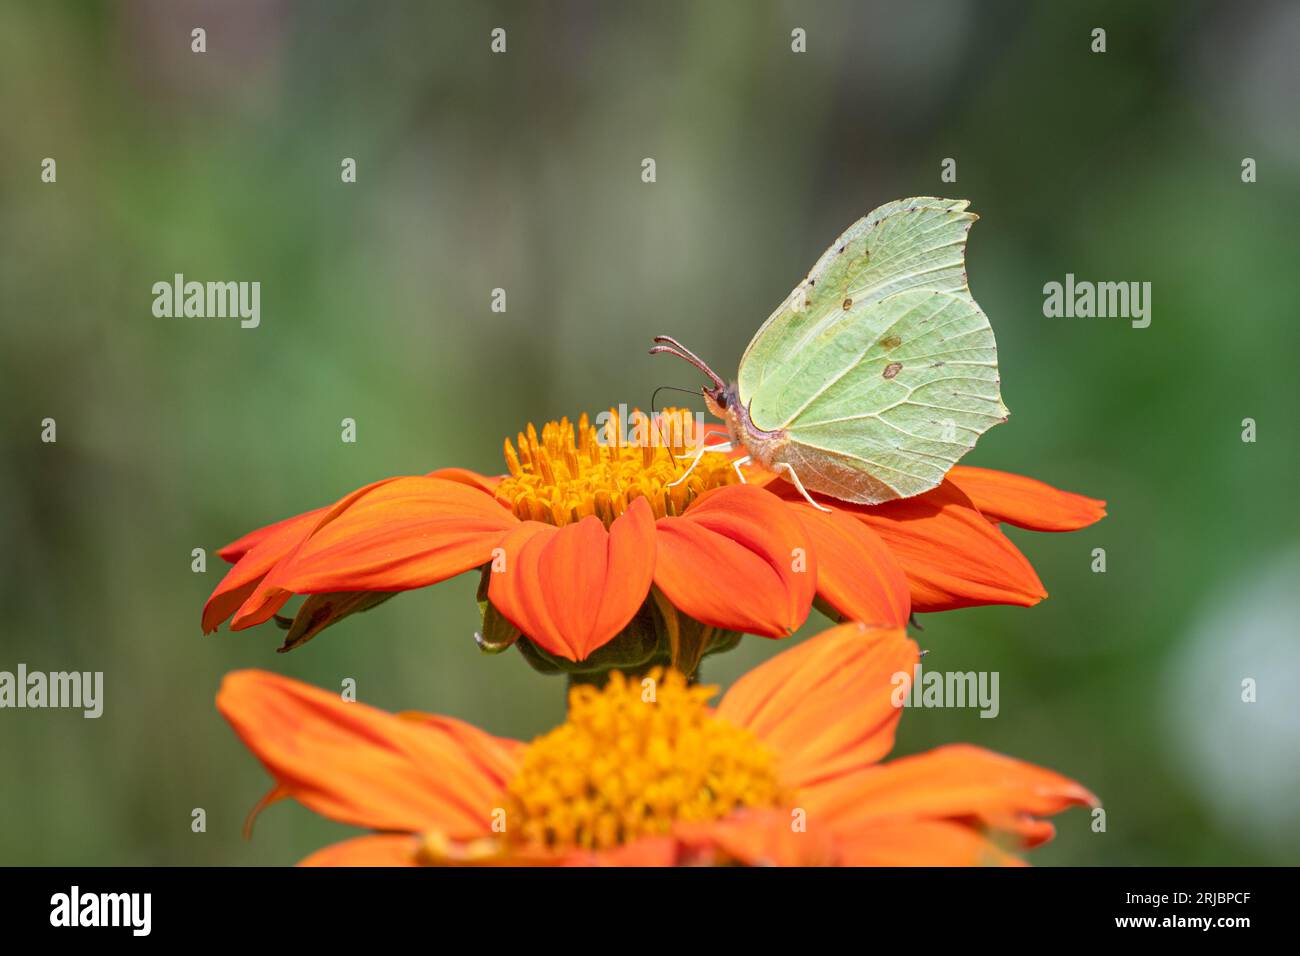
x=736, y=465
x=799, y=484
x=722, y=446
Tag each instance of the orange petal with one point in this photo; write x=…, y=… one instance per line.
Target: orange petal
x=740, y=560
x=714, y=433
x=1026, y=830
x=856, y=574
x=952, y=556
x=381, y=850
x=256, y=554
x=238, y=548
x=500, y=761
x=359, y=765
x=397, y=535
x=241, y=546
x=1026, y=502
x=647, y=851
x=484, y=483
x=758, y=477
x=921, y=843
x=826, y=706
x=572, y=589
x=756, y=838
x=957, y=783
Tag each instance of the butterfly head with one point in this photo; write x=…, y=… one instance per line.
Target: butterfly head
x=719, y=398
x=722, y=399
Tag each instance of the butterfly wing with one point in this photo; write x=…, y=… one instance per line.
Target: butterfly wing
x=879, y=366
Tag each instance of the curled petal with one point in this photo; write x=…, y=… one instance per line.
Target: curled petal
x=1026, y=502
x=255, y=555
x=353, y=763
x=241, y=546
x=827, y=705
x=572, y=589
x=952, y=556
x=740, y=560
x=401, y=534
x=856, y=574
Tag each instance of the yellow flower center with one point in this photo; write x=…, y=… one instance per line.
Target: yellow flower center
x=562, y=477
x=632, y=759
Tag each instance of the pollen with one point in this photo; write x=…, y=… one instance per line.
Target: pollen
x=567, y=473
x=632, y=759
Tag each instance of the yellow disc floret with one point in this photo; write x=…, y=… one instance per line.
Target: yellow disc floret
x=632, y=759
x=563, y=476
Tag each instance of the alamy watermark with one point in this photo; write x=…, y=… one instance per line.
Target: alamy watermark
x=77, y=690
x=1101, y=300
x=75, y=908
x=208, y=300
x=947, y=689
x=635, y=429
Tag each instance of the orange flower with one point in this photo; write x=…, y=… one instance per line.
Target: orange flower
x=785, y=771
x=581, y=532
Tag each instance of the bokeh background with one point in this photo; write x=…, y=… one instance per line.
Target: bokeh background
x=522, y=171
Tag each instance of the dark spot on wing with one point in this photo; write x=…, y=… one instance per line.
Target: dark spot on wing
x=892, y=369
x=848, y=304
x=890, y=342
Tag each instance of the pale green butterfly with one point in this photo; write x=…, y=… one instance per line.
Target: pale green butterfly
x=877, y=373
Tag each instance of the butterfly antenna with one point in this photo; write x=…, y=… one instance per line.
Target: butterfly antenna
x=676, y=388
x=654, y=411
x=669, y=345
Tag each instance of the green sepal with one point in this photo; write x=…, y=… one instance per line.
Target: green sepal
x=659, y=636
x=320, y=611
x=637, y=647
x=498, y=634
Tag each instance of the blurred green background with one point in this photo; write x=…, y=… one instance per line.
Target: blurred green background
x=522, y=171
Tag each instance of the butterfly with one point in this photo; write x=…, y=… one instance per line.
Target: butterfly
x=877, y=373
